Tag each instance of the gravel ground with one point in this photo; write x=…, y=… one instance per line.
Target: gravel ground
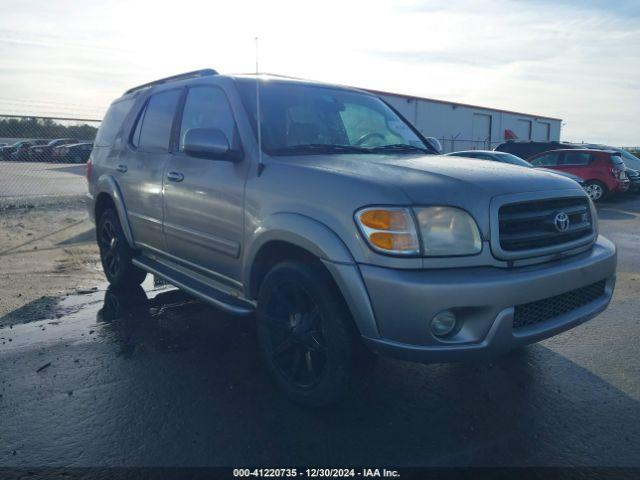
x=45, y=250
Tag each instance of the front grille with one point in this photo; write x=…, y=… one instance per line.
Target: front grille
x=532, y=313
x=532, y=224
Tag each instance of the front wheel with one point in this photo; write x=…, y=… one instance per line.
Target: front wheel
x=596, y=190
x=115, y=252
x=307, y=336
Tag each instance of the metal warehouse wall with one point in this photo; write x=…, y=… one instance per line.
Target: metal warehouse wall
x=466, y=127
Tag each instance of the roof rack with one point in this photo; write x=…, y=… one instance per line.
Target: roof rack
x=206, y=72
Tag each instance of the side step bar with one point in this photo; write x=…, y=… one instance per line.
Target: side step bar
x=203, y=291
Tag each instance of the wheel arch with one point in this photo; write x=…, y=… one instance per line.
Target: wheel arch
x=301, y=235
x=294, y=236
x=109, y=194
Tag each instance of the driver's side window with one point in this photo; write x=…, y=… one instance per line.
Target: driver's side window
x=548, y=160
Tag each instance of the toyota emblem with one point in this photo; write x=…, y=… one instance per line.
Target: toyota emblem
x=561, y=221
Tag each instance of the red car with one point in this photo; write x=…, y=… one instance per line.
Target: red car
x=603, y=171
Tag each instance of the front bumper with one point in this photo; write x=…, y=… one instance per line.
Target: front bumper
x=404, y=302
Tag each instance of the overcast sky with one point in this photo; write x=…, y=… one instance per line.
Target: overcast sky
x=577, y=60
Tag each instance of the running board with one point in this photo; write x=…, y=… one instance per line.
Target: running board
x=203, y=291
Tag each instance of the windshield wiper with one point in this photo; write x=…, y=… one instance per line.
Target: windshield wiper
x=318, y=148
x=400, y=148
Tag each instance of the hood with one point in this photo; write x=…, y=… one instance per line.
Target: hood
x=433, y=179
x=461, y=182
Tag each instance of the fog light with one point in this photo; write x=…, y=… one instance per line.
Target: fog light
x=443, y=323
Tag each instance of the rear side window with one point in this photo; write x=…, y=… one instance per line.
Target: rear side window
x=576, y=158
x=112, y=122
x=548, y=160
x=616, y=160
x=153, y=129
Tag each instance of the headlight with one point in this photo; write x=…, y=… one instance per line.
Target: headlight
x=448, y=231
x=389, y=230
x=445, y=231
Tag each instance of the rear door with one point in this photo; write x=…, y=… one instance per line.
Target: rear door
x=204, y=198
x=140, y=170
x=578, y=163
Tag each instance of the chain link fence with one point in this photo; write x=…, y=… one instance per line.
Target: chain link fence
x=44, y=156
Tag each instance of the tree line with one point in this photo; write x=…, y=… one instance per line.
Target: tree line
x=33, y=127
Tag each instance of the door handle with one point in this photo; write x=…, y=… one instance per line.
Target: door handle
x=175, y=176
x=122, y=168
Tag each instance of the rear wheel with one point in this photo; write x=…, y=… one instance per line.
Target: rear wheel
x=115, y=252
x=596, y=190
x=307, y=335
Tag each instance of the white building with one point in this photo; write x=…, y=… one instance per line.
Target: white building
x=464, y=127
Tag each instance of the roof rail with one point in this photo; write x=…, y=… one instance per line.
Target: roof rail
x=206, y=72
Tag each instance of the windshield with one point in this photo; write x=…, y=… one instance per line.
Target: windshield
x=630, y=160
x=513, y=160
x=308, y=119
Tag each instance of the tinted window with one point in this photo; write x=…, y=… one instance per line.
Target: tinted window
x=616, y=160
x=155, y=133
x=512, y=159
x=576, y=158
x=112, y=122
x=466, y=154
x=630, y=160
x=135, y=136
x=207, y=107
x=550, y=159
x=295, y=116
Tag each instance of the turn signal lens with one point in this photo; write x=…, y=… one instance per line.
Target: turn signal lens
x=389, y=230
x=385, y=219
x=392, y=241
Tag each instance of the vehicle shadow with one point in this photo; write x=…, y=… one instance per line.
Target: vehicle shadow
x=199, y=393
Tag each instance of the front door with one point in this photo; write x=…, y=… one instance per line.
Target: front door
x=203, y=198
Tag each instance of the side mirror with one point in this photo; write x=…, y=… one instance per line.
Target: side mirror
x=435, y=143
x=208, y=143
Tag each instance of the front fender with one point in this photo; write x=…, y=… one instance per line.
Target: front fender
x=318, y=239
x=107, y=184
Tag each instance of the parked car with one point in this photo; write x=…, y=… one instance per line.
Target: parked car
x=527, y=149
x=331, y=217
x=7, y=152
x=504, y=157
x=629, y=159
x=602, y=170
x=78, y=153
x=634, y=179
x=43, y=153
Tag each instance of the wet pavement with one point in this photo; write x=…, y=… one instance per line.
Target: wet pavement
x=154, y=378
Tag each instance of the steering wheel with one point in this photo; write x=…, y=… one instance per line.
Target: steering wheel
x=368, y=136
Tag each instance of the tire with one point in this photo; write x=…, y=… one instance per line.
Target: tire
x=307, y=337
x=596, y=190
x=115, y=253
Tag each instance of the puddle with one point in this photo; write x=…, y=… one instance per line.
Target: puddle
x=80, y=316
x=154, y=317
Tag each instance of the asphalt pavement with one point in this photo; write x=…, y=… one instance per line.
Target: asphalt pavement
x=154, y=378
x=36, y=179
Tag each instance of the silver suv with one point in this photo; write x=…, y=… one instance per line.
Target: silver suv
x=345, y=232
